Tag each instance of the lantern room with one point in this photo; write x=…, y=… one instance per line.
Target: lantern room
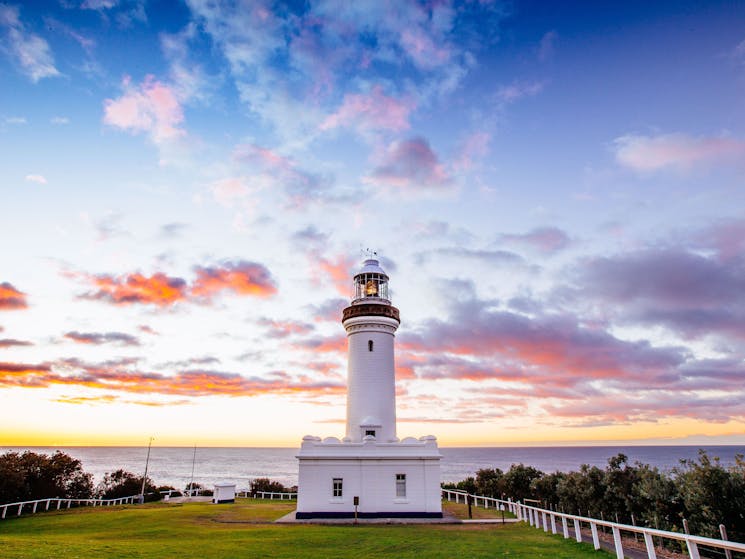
x=371, y=283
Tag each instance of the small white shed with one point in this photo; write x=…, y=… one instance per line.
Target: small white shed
x=224, y=493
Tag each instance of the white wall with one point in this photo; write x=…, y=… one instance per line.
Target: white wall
x=374, y=481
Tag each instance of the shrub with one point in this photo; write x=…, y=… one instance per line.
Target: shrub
x=30, y=476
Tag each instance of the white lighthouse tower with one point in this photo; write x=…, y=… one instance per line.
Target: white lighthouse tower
x=370, y=471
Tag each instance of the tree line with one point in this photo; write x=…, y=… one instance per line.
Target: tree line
x=29, y=476
x=702, y=491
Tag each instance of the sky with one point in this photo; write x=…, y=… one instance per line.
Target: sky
x=556, y=190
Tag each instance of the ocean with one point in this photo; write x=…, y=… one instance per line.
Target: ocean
x=173, y=465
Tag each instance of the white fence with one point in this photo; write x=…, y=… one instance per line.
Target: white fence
x=268, y=495
x=18, y=508
x=547, y=519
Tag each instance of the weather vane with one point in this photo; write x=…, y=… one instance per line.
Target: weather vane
x=369, y=253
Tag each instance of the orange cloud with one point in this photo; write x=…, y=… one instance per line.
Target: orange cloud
x=339, y=271
x=158, y=289
x=117, y=376
x=243, y=278
x=11, y=298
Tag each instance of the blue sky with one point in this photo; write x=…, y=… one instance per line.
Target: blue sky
x=556, y=191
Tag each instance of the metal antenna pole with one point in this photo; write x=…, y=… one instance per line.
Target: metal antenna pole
x=147, y=462
x=191, y=483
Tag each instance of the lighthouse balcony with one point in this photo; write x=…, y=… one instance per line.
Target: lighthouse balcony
x=371, y=309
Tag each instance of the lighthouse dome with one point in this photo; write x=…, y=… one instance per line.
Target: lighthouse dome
x=372, y=266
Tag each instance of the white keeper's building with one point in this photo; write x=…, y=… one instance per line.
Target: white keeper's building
x=370, y=467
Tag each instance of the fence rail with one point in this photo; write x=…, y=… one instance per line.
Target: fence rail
x=21, y=506
x=268, y=495
x=547, y=519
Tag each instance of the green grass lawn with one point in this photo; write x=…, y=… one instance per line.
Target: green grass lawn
x=203, y=530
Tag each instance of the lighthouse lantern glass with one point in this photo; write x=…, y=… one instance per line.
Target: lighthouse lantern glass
x=368, y=285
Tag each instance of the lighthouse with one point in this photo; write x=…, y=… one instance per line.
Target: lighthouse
x=369, y=472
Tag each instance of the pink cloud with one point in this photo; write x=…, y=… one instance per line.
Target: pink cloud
x=373, y=111
x=410, y=164
x=547, y=240
x=678, y=152
x=423, y=49
x=474, y=147
x=152, y=108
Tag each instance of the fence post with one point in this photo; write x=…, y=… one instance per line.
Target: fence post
x=34, y=509
x=723, y=533
x=5, y=509
x=545, y=522
x=553, y=523
x=49, y=502
x=565, y=527
x=617, y=542
x=649, y=541
x=595, y=540
x=577, y=530
x=692, y=549
x=20, y=508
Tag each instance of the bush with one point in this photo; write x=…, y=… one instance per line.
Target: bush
x=265, y=484
x=30, y=476
x=125, y=484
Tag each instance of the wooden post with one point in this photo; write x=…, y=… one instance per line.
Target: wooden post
x=553, y=523
x=595, y=539
x=685, y=527
x=649, y=542
x=723, y=533
x=469, y=499
x=565, y=527
x=617, y=542
x=578, y=530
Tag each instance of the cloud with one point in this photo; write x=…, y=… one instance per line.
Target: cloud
x=240, y=277
x=152, y=108
x=504, y=345
x=493, y=257
x=329, y=310
x=283, y=328
x=121, y=377
x=158, y=289
x=38, y=179
x=369, y=112
x=29, y=50
x=323, y=344
x=111, y=398
x=148, y=330
x=546, y=240
x=677, y=152
x=473, y=148
x=173, y=230
x=690, y=293
x=410, y=165
x=310, y=238
x=59, y=120
x=518, y=90
x=11, y=298
x=301, y=186
x=7, y=342
x=96, y=338
x=547, y=45
x=338, y=270
x=16, y=120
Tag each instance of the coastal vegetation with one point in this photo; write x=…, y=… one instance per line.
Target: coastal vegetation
x=703, y=491
x=246, y=529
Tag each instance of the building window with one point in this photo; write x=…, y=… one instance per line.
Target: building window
x=369, y=345
x=337, y=487
x=400, y=485
x=370, y=432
